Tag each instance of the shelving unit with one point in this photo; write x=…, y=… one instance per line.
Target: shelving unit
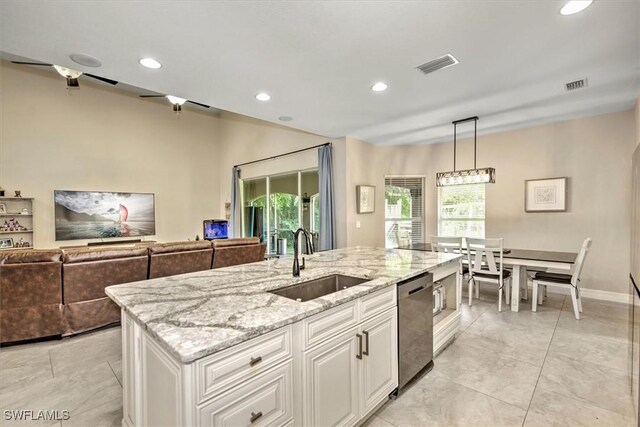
x=14, y=207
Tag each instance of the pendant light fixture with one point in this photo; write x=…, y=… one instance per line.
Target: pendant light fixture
x=467, y=176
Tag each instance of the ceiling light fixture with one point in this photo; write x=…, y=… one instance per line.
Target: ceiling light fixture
x=70, y=75
x=575, y=6
x=468, y=176
x=263, y=96
x=176, y=102
x=150, y=63
x=379, y=87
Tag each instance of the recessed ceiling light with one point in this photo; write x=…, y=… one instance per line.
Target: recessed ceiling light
x=150, y=63
x=86, y=60
x=285, y=118
x=575, y=6
x=262, y=96
x=176, y=100
x=379, y=87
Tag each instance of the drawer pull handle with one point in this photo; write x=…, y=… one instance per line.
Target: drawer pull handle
x=359, y=355
x=255, y=360
x=255, y=416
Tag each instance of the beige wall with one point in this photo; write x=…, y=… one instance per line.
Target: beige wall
x=595, y=153
x=104, y=140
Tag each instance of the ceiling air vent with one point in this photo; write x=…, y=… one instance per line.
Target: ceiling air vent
x=437, y=64
x=577, y=84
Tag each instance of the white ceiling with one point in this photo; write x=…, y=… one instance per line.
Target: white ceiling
x=319, y=59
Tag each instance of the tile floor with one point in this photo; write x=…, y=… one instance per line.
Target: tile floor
x=525, y=369
x=504, y=369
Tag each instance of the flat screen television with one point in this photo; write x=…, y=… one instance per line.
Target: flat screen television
x=215, y=229
x=101, y=214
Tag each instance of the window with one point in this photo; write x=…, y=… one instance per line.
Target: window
x=403, y=210
x=272, y=208
x=461, y=210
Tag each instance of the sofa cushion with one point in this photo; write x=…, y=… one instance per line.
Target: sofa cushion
x=96, y=254
x=161, y=248
x=238, y=254
x=30, y=255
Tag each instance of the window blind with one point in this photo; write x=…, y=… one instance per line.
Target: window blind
x=404, y=210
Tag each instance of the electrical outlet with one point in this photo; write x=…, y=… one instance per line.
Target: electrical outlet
x=357, y=224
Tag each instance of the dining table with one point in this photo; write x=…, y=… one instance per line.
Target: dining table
x=520, y=260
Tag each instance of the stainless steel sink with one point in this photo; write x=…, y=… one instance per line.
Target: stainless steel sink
x=317, y=288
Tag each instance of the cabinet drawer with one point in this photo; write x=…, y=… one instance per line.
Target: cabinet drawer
x=326, y=325
x=265, y=400
x=377, y=302
x=239, y=363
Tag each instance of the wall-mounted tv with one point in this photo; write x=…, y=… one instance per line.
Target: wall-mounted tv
x=99, y=214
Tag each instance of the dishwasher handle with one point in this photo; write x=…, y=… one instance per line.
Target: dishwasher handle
x=417, y=284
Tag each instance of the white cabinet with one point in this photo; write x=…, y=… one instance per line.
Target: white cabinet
x=263, y=401
x=347, y=377
x=331, y=382
x=379, y=367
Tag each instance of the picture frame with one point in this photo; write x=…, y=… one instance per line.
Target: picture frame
x=545, y=195
x=366, y=198
x=6, y=243
x=3, y=208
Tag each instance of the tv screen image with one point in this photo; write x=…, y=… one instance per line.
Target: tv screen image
x=216, y=229
x=98, y=214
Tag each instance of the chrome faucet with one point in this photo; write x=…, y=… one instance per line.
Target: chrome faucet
x=308, y=246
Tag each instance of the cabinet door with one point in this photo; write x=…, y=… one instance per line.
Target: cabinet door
x=379, y=367
x=331, y=382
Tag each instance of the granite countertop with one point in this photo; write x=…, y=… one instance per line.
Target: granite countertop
x=197, y=314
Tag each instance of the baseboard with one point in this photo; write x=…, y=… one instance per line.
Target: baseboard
x=596, y=294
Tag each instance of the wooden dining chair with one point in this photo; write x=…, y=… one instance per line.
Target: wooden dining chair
x=486, y=264
x=563, y=281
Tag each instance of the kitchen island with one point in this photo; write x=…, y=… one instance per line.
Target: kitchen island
x=217, y=348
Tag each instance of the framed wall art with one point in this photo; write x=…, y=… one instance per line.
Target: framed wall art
x=366, y=198
x=545, y=195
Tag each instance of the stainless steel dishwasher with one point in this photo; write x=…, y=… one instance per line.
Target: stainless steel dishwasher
x=415, y=327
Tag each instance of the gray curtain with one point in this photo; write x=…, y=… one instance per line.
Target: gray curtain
x=327, y=239
x=235, y=203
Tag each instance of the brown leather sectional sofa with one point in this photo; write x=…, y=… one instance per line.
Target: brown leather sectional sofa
x=51, y=293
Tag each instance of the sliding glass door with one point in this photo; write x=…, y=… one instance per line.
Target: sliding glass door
x=275, y=206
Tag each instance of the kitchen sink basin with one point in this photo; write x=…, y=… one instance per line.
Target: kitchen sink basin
x=316, y=288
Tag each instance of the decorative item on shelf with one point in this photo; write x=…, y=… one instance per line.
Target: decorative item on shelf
x=1, y=192
x=366, y=198
x=13, y=225
x=3, y=208
x=18, y=193
x=468, y=176
x=6, y=243
x=545, y=195
x=22, y=244
x=24, y=211
x=197, y=237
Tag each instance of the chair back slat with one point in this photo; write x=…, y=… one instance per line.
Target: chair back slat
x=483, y=252
x=582, y=255
x=446, y=244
